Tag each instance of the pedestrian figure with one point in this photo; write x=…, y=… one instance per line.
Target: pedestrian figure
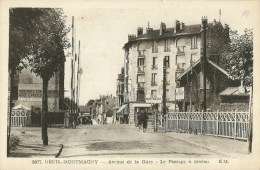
x=144, y=120
x=139, y=120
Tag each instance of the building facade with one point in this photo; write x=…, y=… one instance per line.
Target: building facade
x=181, y=46
x=29, y=90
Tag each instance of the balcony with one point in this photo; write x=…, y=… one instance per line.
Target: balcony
x=181, y=50
x=140, y=69
x=154, y=66
x=141, y=53
x=153, y=83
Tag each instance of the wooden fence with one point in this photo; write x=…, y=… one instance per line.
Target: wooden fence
x=226, y=124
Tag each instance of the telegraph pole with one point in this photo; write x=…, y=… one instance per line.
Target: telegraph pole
x=78, y=74
x=164, y=86
x=72, y=68
x=204, y=61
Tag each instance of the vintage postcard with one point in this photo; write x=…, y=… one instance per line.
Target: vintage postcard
x=129, y=84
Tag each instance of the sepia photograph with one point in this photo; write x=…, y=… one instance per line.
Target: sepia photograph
x=149, y=84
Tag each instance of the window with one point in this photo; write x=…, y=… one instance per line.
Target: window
x=194, y=42
x=201, y=81
x=153, y=93
x=167, y=79
x=140, y=61
x=155, y=47
x=167, y=61
x=167, y=94
x=154, y=79
x=180, y=61
x=193, y=58
x=154, y=66
x=140, y=78
x=166, y=45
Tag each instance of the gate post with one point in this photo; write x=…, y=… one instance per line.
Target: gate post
x=201, y=125
x=217, y=123
x=235, y=123
x=188, y=114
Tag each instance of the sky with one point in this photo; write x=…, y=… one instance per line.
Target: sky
x=104, y=31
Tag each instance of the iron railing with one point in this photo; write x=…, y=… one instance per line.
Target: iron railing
x=231, y=124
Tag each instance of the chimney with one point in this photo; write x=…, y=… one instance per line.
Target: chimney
x=131, y=37
x=162, y=28
x=148, y=30
x=177, y=26
x=122, y=71
x=139, y=31
x=182, y=26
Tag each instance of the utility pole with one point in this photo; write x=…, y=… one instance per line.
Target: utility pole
x=72, y=67
x=204, y=61
x=164, y=90
x=77, y=90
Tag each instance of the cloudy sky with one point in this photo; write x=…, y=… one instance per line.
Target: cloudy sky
x=103, y=30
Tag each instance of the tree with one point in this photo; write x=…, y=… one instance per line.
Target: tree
x=21, y=23
x=240, y=56
x=48, y=54
x=240, y=66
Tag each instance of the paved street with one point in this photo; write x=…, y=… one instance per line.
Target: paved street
x=125, y=140
x=121, y=140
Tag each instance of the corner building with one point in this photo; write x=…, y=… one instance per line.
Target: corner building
x=181, y=46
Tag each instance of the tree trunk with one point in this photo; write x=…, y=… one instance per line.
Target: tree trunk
x=10, y=112
x=250, y=126
x=45, y=111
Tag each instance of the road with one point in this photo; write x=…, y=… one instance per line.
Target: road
x=117, y=140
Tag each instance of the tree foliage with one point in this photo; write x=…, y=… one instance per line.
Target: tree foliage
x=21, y=36
x=50, y=41
x=240, y=56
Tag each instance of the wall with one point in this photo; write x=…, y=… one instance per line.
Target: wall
x=30, y=90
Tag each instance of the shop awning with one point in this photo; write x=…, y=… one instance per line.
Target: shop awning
x=121, y=108
x=141, y=105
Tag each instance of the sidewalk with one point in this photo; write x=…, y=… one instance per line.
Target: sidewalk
x=223, y=146
x=31, y=144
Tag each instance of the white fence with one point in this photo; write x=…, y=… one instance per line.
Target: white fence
x=226, y=124
x=20, y=118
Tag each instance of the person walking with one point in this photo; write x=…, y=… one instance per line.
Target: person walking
x=144, y=120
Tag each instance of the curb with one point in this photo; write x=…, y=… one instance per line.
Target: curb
x=202, y=146
x=60, y=150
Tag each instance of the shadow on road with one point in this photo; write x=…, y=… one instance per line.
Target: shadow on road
x=114, y=145
x=143, y=153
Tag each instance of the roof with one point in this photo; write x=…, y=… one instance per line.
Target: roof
x=154, y=34
x=121, y=108
x=187, y=70
x=210, y=62
x=21, y=107
x=141, y=105
x=233, y=91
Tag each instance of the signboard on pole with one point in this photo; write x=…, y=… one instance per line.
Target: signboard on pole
x=179, y=93
x=153, y=99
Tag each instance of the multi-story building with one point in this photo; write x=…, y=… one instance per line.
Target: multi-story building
x=29, y=90
x=181, y=46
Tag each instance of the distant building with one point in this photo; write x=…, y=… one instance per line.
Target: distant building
x=28, y=90
x=181, y=46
